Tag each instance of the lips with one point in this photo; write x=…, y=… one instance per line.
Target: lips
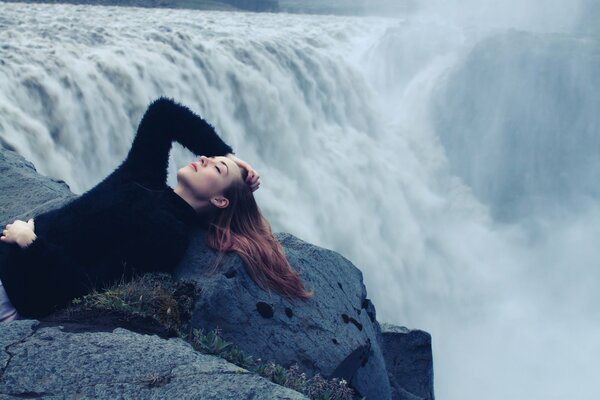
x=194, y=166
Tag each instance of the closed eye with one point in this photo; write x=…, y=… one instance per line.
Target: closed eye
x=216, y=167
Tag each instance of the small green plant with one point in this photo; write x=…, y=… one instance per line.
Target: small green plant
x=333, y=389
x=316, y=388
x=296, y=379
x=211, y=343
x=238, y=357
x=273, y=371
x=153, y=295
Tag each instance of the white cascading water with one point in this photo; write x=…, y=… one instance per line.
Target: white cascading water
x=376, y=137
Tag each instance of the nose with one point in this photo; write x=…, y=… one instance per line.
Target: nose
x=203, y=160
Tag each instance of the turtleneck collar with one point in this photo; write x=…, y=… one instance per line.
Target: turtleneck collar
x=180, y=207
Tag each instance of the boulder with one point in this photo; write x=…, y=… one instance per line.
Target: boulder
x=409, y=362
x=335, y=334
x=24, y=192
x=51, y=363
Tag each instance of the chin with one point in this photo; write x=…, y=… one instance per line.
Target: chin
x=184, y=170
x=181, y=174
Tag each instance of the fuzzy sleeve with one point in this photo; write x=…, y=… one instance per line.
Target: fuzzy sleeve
x=163, y=122
x=40, y=277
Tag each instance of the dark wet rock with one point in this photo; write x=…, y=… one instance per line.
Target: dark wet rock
x=409, y=361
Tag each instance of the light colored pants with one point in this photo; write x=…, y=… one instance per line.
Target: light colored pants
x=7, y=311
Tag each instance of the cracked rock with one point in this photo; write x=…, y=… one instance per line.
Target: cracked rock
x=51, y=363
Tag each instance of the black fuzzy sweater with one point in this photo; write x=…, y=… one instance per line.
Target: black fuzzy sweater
x=129, y=223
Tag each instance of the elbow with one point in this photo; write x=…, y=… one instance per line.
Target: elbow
x=159, y=111
x=161, y=103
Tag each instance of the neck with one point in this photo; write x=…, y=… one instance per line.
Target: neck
x=202, y=207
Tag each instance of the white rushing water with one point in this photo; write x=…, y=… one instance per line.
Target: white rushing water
x=451, y=157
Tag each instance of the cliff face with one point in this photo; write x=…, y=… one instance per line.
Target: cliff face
x=335, y=334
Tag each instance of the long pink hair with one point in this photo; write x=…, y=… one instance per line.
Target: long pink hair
x=241, y=228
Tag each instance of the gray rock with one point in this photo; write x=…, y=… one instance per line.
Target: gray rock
x=23, y=192
x=335, y=333
x=19, y=330
x=50, y=363
x=409, y=361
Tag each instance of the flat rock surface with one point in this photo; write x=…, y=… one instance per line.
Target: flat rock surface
x=50, y=363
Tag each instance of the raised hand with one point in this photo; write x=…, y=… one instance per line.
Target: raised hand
x=253, y=178
x=20, y=232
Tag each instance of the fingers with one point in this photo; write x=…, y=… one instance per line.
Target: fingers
x=6, y=232
x=252, y=176
x=18, y=226
x=5, y=237
x=19, y=232
x=253, y=180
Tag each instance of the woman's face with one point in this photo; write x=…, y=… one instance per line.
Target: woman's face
x=208, y=177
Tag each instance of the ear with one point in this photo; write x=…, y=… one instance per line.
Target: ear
x=219, y=201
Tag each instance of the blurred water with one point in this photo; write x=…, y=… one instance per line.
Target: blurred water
x=451, y=156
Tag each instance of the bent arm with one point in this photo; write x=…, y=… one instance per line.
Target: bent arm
x=33, y=277
x=163, y=122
